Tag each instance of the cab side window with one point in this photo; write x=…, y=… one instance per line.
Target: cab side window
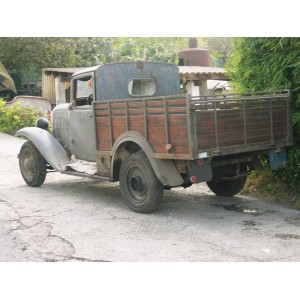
x=83, y=91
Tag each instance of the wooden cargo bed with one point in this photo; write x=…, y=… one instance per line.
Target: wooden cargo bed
x=178, y=127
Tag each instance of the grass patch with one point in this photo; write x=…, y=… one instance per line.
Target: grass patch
x=274, y=188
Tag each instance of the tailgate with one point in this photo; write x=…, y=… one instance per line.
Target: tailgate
x=229, y=124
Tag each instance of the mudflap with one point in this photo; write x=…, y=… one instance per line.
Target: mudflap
x=199, y=172
x=278, y=160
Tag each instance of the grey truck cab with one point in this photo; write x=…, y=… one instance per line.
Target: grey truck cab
x=127, y=122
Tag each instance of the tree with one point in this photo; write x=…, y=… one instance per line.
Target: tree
x=270, y=64
x=148, y=49
x=220, y=48
x=35, y=53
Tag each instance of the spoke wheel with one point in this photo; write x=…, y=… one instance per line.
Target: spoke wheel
x=140, y=188
x=32, y=165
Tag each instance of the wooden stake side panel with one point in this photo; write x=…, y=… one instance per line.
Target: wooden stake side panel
x=237, y=125
x=210, y=125
x=160, y=120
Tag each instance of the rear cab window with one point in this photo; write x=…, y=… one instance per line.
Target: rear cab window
x=138, y=87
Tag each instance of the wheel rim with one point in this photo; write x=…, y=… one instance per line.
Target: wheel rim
x=136, y=184
x=29, y=165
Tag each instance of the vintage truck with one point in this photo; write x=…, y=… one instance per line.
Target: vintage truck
x=128, y=122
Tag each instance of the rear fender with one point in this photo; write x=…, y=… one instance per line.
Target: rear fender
x=164, y=169
x=52, y=151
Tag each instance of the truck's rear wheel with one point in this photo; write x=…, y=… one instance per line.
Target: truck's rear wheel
x=227, y=188
x=140, y=188
x=32, y=165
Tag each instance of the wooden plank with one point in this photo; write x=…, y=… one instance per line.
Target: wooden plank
x=119, y=121
x=117, y=131
x=101, y=113
x=177, y=121
x=103, y=137
x=156, y=121
x=135, y=105
x=229, y=130
x=135, y=121
x=117, y=105
x=102, y=121
x=139, y=129
x=157, y=140
x=177, y=149
x=176, y=110
x=101, y=106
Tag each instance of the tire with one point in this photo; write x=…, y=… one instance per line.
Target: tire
x=140, y=188
x=33, y=166
x=227, y=188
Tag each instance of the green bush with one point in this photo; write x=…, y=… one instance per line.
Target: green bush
x=271, y=63
x=15, y=117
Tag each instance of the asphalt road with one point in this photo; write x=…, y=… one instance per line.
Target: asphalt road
x=74, y=219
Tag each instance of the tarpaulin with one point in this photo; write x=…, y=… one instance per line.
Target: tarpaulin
x=6, y=82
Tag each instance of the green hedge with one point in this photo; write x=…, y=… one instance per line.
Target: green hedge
x=271, y=63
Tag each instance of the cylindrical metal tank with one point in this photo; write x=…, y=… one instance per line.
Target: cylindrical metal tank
x=194, y=56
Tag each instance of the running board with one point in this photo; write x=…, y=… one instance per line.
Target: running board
x=95, y=177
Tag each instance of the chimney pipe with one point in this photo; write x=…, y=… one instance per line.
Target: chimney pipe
x=193, y=42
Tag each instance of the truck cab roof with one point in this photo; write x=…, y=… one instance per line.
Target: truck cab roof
x=131, y=80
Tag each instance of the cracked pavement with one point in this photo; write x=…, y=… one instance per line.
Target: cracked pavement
x=75, y=219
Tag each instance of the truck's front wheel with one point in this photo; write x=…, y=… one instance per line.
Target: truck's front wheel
x=227, y=188
x=140, y=188
x=32, y=165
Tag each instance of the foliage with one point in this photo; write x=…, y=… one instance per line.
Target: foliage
x=258, y=64
x=15, y=117
x=274, y=187
x=148, y=49
x=220, y=48
x=35, y=53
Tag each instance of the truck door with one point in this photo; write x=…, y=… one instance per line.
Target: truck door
x=81, y=118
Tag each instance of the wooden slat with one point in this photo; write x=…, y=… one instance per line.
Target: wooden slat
x=156, y=121
x=102, y=122
x=117, y=131
x=119, y=121
x=157, y=140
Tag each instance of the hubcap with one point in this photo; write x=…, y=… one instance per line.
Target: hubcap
x=28, y=165
x=136, y=184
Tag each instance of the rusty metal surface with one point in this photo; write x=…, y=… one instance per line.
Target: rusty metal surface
x=195, y=57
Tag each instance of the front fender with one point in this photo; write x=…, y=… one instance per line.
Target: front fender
x=48, y=146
